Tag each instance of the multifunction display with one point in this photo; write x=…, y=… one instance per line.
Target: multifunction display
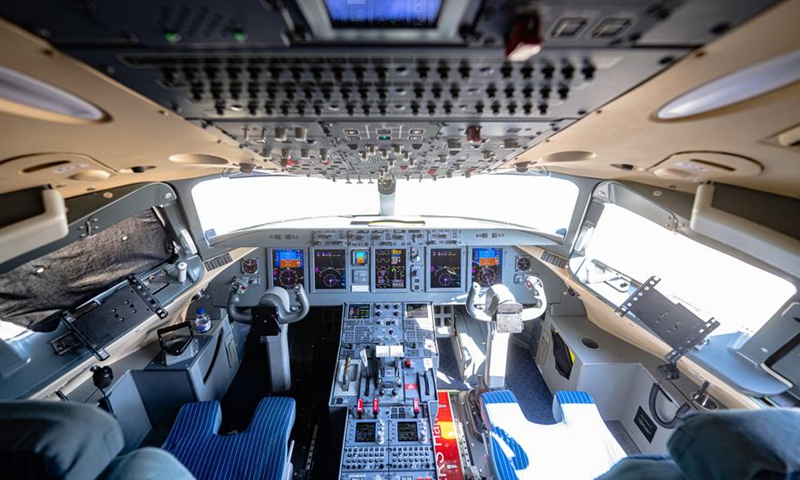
x=330, y=269
x=287, y=267
x=358, y=311
x=407, y=432
x=445, y=268
x=487, y=266
x=390, y=268
x=365, y=432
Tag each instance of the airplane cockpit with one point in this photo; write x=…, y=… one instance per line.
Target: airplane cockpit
x=400, y=240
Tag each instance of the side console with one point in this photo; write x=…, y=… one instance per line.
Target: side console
x=386, y=380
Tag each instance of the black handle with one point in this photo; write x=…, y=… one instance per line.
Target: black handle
x=175, y=349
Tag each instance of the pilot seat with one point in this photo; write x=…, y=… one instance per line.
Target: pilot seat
x=579, y=446
x=262, y=451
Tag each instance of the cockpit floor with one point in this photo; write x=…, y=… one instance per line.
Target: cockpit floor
x=522, y=378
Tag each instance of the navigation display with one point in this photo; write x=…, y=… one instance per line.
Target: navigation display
x=445, y=268
x=487, y=266
x=383, y=13
x=390, y=268
x=358, y=311
x=330, y=269
x=365, y=432
x=407, y=432
x=287, y=267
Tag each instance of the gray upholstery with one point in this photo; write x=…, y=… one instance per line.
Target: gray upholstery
x=739, y=444
x=56, y=440
x=146, y=464
x=650, y=468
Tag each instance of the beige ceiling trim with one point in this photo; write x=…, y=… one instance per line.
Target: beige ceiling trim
x=133, y=145
x=627, y=134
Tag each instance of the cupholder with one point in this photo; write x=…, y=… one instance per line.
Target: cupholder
x=590, y=343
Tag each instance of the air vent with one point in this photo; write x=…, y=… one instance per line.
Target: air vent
x=217, y=262
x=555, y=260
x=568, y=27
x=611, y=28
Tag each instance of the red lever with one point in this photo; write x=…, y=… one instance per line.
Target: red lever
x=360, y=407
x=416, y=406
x=375, y=406
x=408, y=363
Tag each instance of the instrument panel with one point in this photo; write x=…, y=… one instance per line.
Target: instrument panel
x=352, y=265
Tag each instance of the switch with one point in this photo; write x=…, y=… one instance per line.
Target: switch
x=375, y=406
x=408, y=363
x=416, y=406
x=360, y=407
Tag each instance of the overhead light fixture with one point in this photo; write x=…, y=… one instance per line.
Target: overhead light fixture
x=21, y=94
x=764, y=77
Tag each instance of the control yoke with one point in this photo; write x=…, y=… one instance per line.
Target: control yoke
x=499, y=294
x=277, y=297
x=504, y=316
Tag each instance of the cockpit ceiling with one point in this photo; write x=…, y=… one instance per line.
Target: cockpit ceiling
x=195, y=88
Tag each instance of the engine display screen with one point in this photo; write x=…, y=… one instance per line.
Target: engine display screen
x=390, y=268
x=359, y=311
x=407, y=432
x=383, y=13
x=287, y=267
x=330, y=269
x=445, y=269
x=365, y=432
x=487, y=266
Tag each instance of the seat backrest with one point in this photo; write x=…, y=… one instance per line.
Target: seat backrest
x=741, y=444
x=56, y=440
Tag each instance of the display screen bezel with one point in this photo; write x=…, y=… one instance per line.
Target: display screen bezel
x=374, y=270
x=272, y=252
x=403, y=435
x=363, y=428
x=313, y=271
x=502, y=255
x=369, y=23
x=463, y=275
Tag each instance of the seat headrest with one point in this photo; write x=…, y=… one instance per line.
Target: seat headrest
x=57, y=440
x=743, y=444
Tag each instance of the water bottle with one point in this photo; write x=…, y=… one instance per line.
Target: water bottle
x=202, y=322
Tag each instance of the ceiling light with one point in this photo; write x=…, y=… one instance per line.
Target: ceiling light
x=736, y=87
x=22, y=94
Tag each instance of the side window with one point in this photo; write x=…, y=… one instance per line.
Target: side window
x=624, y=249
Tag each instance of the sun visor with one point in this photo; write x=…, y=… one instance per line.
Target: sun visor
x=72, y=275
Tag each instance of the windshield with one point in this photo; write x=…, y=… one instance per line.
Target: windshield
x=228, y=204
x=540, y=203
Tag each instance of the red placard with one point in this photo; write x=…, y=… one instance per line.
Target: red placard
x=445, y=442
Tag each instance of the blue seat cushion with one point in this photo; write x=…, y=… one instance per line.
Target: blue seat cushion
x=56, y=440
x=743, y=444
x=260, y=452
